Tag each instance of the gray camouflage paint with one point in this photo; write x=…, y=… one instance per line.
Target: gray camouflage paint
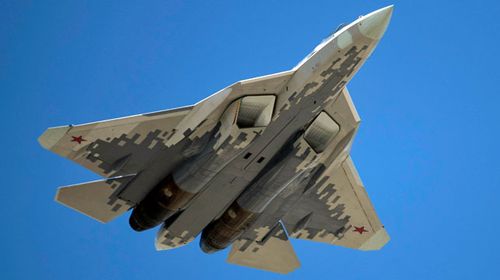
x=301, y=106
x=223, y=163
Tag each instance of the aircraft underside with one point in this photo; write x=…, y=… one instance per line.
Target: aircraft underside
x=258, y=162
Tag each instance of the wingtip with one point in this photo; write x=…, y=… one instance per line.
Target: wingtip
x=52, y=135
x=377, y=241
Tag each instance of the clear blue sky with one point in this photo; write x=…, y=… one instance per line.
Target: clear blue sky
x=427, y=149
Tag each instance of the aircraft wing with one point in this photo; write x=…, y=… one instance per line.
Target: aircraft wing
x=337, y=210
x=114, y=147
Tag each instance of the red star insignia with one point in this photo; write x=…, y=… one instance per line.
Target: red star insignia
x=359, y=230
x=78, y=139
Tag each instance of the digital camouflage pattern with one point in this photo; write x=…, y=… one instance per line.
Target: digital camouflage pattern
x=259, y=161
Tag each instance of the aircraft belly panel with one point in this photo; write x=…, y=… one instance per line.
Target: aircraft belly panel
x=212, y=201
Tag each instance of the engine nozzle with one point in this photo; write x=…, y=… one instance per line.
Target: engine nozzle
x=161, y=203
x=222, y=232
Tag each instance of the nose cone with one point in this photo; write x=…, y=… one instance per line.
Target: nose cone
x=374, y=24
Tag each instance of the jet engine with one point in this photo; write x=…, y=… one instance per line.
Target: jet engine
x=160, y=204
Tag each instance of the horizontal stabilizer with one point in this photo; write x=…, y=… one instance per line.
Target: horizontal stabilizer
x=96, y=199
x=273, y=253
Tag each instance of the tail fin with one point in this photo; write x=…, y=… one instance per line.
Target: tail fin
x=96, y=199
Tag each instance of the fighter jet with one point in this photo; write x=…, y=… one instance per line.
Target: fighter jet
x=256, y=163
